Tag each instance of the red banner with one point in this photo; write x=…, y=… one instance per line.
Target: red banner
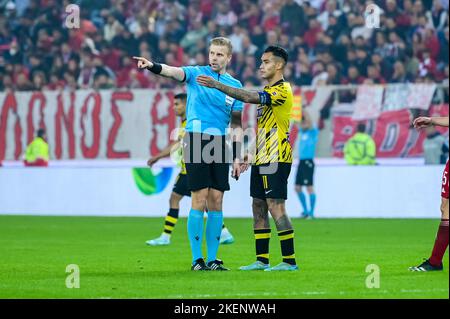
x=392, y=133
x=87, y=124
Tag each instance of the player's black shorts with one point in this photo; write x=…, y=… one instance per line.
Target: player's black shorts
x=207, y=162
x=181, y=186
x=270, y=183
x=305, y=173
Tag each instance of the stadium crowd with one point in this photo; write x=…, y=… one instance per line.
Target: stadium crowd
x=327, y=41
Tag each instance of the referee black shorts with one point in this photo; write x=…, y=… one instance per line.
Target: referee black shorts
x=207, y=162
x=305, y=173
x=268, y=183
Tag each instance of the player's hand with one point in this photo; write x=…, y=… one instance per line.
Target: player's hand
x=246, y=163
x=236, y=171
x=143, y=63
x=152, y=161
x=422, y=122
x=206, y=81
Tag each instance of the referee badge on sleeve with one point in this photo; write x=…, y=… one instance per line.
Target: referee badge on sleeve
x=229, y=100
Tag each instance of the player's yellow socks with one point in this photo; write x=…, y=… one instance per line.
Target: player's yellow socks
x=262, y=239
x=287, y=246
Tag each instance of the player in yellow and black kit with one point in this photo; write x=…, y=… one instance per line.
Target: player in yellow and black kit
x=271, y=163
x=180, y=189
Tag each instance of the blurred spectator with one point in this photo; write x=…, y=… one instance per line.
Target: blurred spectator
x=292, y=18
x=360, y=149
x=224, y=16
x=34, y=39
x=435, y=147
x=319, y=73
x=400, y=75
x=36, y=153
x=438, y=15
x=353, y=76
x=373, y=75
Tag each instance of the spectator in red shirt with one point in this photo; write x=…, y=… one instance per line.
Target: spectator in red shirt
x=311, y=33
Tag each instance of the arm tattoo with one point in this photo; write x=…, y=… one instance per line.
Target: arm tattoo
x=239, y=94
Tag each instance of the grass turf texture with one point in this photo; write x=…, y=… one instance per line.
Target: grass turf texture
x=114, y=262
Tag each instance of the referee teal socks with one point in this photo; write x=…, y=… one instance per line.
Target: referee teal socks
x=213, y=230
x=195, y=233
x=312, y=201
x=302, y=198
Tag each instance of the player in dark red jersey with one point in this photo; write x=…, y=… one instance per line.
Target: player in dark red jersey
x=441, y=244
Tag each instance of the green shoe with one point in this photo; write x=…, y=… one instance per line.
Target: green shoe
x=283, y=267
x=257, y=265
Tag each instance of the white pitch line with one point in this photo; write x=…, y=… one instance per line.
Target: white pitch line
x=268, y=294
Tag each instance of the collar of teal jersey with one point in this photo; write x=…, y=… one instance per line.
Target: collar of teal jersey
x=212, y=71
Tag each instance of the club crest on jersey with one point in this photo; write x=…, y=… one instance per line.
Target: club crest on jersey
x=259, y=111
x=229, y=100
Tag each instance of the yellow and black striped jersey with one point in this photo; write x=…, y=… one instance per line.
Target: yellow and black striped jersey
x=181, y=133
x=274, y=114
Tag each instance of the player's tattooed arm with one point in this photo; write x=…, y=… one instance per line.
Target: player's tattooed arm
x=237, y=93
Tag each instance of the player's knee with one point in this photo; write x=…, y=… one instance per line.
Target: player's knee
x=174, y=199
x=298, y=188
x=276, y=206
x=310, y=189
x=259, y=205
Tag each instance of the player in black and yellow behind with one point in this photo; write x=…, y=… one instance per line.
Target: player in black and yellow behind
x=180, y=189
x=271, y=163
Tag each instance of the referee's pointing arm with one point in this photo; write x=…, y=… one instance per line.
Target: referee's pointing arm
x=161, y=69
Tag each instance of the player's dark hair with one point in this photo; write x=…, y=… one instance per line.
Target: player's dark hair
x=40, y=132
x=181, y=96
x=278, y=51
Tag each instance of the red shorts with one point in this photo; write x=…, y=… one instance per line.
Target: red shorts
x=445, y=182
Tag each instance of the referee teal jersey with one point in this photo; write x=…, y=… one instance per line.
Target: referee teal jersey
x=209, y=110
x=308, y=142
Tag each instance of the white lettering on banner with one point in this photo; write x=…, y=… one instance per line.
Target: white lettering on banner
x=86, y=124
x=391, y=137
x=368, y=102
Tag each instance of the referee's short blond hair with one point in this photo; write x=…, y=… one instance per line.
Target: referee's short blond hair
x=222, y=41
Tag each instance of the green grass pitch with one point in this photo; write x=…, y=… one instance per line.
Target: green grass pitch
x=114, y=261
